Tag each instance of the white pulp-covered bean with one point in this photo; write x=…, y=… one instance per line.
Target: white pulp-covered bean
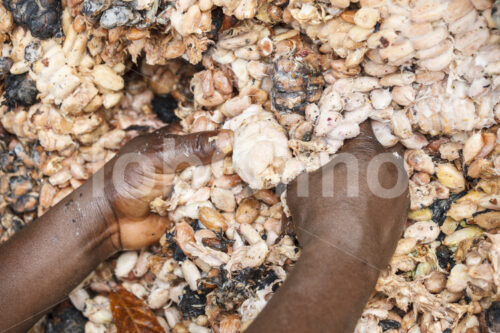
x=125, y=263
x=423, y=231
x=380, y=98
x=191, y=273
x=260, y=147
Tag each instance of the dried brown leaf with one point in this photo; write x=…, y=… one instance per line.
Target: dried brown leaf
x=130, y=313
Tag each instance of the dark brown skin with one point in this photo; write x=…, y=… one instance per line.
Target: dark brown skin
x=346, y=240
x=46, y=260
x=346, y=243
